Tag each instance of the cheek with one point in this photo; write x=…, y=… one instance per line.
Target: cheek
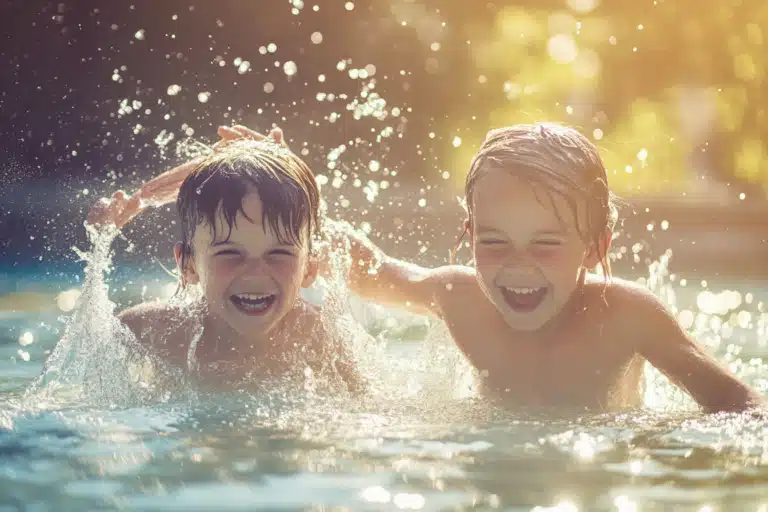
x=223, y=268
x=289, y=269
x=560, y=263
x=550, y=256
x=489, y=255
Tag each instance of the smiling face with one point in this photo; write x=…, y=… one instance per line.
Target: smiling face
x=527, y=248
x=250, y=276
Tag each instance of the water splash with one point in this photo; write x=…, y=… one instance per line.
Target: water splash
x=98, y=361
x=435, y=368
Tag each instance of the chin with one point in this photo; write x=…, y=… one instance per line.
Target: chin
x=529, y=320
x=254, y=324
x=522, y=322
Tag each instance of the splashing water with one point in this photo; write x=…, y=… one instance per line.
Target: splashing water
x=98, y=360
x=142, y=435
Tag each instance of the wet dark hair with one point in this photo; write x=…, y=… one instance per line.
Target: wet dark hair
x=558, y=160
x=285, y=184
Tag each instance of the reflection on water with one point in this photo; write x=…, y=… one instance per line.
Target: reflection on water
x=397, y=451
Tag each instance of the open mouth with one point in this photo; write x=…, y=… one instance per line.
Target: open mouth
x=524, y=300
x=253, y=304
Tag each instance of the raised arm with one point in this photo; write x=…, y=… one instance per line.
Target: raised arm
x=122, y=208
x=385, y=280
x=663, y=342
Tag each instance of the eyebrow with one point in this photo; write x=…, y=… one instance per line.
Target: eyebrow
x=228, y=242
x=552, y=232
x=486, y=229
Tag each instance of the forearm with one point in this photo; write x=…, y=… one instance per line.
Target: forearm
x=164, y=188
x=385, y=280
x=709, y=383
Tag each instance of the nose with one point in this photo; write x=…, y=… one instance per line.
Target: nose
x=256, y=266
x=519, y=258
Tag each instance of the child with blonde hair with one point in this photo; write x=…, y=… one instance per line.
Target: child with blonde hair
x=532, y=319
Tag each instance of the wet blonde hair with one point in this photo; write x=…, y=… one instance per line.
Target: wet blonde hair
x=561, y=161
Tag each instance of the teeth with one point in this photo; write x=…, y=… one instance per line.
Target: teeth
x=252, y=296
x=525, y=291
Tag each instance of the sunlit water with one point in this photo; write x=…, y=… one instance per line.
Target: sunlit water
x=93, y=423
x=97, y=432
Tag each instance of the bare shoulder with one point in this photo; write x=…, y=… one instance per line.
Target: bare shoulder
x=624, y=296
x=147, y=315
x=323, y=346
x=159, y=324
x=447, y=277
x=633, y=311
x=455, y=289
x=308, y=318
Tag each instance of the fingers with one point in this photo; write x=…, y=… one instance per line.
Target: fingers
x=238, y=132
x=247, y=133
x=230, y=134
x=220, y=145
x=277, y=134
x=227, y=133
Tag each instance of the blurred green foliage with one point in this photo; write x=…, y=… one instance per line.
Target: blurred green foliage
x=660, y=86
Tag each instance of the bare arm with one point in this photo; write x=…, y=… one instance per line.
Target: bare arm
x=684, y=361
x=121, y=208
x=385, y=280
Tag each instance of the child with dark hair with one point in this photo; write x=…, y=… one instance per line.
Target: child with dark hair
x=248, y=214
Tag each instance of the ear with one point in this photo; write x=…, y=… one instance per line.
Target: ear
x=592, y=258
x=468, y=231
x=311, y=273
x=187, y=266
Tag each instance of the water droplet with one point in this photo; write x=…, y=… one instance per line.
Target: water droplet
x=174, y=89
x=26, y=339
x=317, y=37
x=289, y=68
x=456, y=141
x=140, y=34
x=243, y=67
x=203, y=97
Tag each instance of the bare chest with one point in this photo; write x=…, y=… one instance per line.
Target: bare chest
x=585, y=366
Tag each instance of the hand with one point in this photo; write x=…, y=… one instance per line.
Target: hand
x=230, y=134
x=117, y=211
x=122, y=208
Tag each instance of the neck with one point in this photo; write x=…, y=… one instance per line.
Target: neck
x=576, y=305
x=222, y=343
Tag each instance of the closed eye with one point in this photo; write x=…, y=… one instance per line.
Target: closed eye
x=549, y=242
x=281, y=252
x=227, y=252
x=492, y=241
